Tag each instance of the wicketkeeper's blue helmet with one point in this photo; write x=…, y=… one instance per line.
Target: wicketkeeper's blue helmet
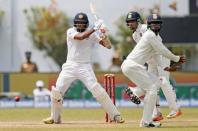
x=154, y=19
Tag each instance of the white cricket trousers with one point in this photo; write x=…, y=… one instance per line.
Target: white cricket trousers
x=84, y=72
x=166, y=87
x=149, y=83
x=72, y=71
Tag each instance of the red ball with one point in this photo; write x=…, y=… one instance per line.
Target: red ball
x=17, y=98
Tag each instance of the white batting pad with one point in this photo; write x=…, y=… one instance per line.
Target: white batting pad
x=56, y=104
x=102, y=97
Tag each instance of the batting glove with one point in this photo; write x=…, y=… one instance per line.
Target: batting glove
x=98, y=24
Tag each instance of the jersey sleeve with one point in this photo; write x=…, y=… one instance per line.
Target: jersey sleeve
x=159, y=47
x=71, y=33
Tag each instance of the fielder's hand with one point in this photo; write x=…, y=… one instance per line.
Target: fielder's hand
x=176, y=65
x=182, y=59
x=171, y=68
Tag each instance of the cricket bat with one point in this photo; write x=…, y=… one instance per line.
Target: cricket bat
x=96, y=17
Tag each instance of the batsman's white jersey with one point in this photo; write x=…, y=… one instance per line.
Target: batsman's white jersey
x=133, y=68
x=78, y=66
x=156, y=65
x=80, y=52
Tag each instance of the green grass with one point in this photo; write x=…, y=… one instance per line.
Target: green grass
x=30, y=119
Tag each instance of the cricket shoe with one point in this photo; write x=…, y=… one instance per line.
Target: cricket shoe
x=117, y=119
x=132, y=96
x=50, y=120
x=151, y=124
x=174, y=114
x=158, y=117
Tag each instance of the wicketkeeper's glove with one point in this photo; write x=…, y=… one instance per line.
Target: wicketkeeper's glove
x=173, y=67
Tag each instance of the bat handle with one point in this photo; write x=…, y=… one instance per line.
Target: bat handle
x=96, y=17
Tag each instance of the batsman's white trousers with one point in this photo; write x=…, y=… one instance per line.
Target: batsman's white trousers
x=84, y=72
x=72, y=71
x=142, y=78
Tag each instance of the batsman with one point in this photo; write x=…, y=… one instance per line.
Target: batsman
x=80, y=39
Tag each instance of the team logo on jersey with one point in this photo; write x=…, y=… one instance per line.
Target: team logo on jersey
x=80, y=16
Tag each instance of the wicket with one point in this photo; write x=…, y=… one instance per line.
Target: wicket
x=109, y=84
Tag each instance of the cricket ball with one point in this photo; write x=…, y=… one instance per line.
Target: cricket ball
x=17, y=98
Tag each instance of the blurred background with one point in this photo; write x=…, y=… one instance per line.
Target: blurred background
x=34, y=30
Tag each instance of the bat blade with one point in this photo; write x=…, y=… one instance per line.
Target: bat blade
x=93, y=10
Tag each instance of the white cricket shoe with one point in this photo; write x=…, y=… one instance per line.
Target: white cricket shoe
x=151, y=124
x=158, y=117
x=50, y=120
x=174, y=114
x=118, y=119
x=132, y=96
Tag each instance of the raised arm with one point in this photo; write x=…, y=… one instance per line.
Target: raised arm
x=87, y=33
x=83, y=35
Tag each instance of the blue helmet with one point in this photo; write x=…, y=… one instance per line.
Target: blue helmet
x=154, y=19
x=133, y=16
x=81, y=18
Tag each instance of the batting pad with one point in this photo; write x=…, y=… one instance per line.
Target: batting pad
x=103, y=98
x=56, y=104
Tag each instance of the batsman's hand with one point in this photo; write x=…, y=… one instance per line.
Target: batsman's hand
x=182, y=59
x=98, y=24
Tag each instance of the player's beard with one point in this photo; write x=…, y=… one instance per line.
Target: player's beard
x=81, y=27
x=80, y=30
x=156, y=29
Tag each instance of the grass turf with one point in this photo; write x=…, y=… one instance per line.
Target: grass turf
x=30, y=119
